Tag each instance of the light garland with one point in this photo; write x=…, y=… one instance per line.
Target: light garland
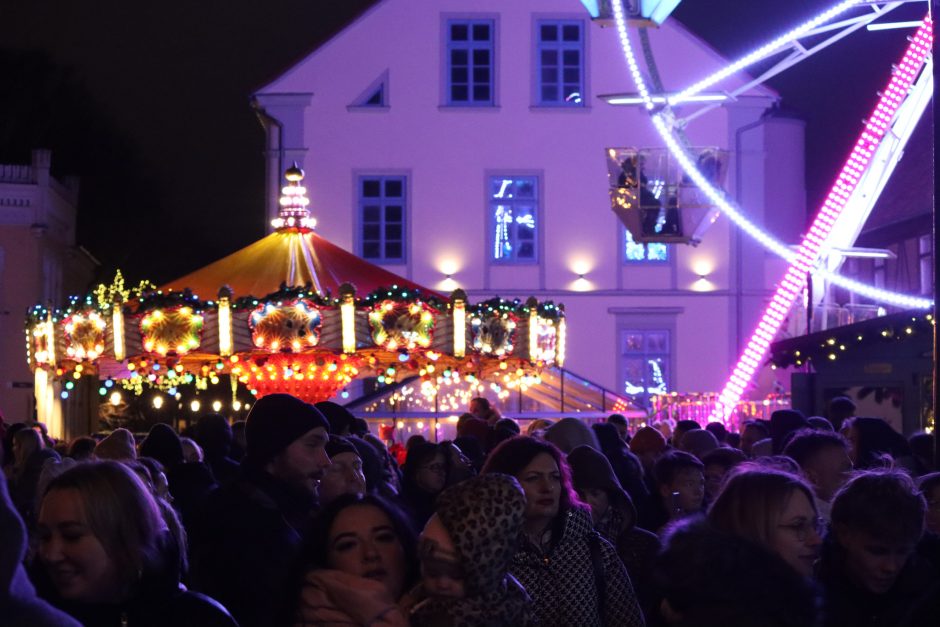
x=754, y=56
x=809, y=251
x=289, y=327
x=715, y=196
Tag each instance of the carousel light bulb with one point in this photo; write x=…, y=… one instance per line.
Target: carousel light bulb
x=115, y=398
x=195, y=405
x=157, y=402
x=236, y=405
x=216, y=406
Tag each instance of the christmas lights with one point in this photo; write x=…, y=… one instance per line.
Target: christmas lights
x=402, y=326
x=175, y=331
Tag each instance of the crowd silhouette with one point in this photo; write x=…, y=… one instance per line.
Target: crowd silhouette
x=300, y=516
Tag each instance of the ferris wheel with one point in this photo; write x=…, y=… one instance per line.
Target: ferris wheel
x=857, y=187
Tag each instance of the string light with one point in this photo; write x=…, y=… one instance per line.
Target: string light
x=809, y=249
x=716, y=197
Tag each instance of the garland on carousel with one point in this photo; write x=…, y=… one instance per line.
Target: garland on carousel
x=292, y=340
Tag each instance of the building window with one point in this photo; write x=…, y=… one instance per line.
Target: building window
x=560, y=54
x=514, y=208
x=470, y=62
x=925, y=258
x=635, y=252
x=375, y=96
x=382, y=218
x=645, y=362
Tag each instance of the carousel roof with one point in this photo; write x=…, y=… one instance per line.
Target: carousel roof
x=289, y=257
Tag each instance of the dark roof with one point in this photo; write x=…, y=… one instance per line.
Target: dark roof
x=909, y=194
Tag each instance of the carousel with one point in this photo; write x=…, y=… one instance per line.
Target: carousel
x=290, y=313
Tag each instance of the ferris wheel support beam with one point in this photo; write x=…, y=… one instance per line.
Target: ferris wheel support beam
x=862, y=201
x=798, y=53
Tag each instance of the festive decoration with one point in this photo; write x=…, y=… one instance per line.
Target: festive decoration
x=225, y=321
x=175, y=331
x=459, y=306
x=494, y=334
x=294, y=202
x=400, y=326
x=842, y=341
x=290, y=327
x=285, y=332
x=84, y=334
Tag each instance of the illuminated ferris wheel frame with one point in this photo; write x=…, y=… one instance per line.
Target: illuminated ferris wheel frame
x=804, y=260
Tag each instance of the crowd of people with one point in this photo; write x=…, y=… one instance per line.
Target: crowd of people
x=300, y=516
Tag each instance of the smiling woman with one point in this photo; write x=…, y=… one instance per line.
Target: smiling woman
x=107, y=556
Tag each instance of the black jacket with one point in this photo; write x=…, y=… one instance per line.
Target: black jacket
x=244, y=543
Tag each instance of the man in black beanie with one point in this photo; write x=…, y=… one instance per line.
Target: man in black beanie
x=252, y=529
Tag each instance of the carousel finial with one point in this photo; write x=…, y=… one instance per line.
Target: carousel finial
x=293, y=213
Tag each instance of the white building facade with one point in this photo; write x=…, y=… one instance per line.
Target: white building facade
x=463, y=144
x=39, y=263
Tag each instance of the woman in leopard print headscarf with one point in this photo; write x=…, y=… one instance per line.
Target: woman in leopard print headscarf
x=465, y=552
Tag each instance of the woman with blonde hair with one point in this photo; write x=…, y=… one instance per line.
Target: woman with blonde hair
x=106, y=557
x=771, y=508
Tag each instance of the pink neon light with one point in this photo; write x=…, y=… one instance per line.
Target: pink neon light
x=795, y=278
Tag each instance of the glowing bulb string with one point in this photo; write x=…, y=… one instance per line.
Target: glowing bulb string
x=810, y=248
x=666, y=131
x=764, y=51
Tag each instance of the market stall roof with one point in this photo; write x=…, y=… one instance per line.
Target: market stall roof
x=554, y=392
x=289, y=257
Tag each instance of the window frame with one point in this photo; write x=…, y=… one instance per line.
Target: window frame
x=447, y=45
x=359, y=226
x=626, y=261
x=537, y=48
x=490, y=224
x=647, y=320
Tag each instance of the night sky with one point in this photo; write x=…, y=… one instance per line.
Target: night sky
x=149, y=104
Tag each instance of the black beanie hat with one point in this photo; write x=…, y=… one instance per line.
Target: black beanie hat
x=340, y=418
x=339, y=445
x=274, y=422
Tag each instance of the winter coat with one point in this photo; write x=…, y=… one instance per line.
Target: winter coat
x=845, y=603
x=483, y=517
x=155, y=600
x=563, y=581
x=244, y=543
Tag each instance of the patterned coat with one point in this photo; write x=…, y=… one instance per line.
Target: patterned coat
x=562, y=583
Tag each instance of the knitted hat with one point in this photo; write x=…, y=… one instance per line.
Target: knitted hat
x=340, y=418
x=647, y=440
x=118, y=446
x=339, y=445
x=274, y=422
x=163, y=444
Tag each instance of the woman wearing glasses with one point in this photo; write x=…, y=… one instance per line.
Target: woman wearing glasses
x=773, y=509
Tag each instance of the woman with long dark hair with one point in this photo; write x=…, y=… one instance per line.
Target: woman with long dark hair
x=572, y=574
x=357, y=566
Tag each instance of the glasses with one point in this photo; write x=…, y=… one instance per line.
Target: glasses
x=802, y=529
